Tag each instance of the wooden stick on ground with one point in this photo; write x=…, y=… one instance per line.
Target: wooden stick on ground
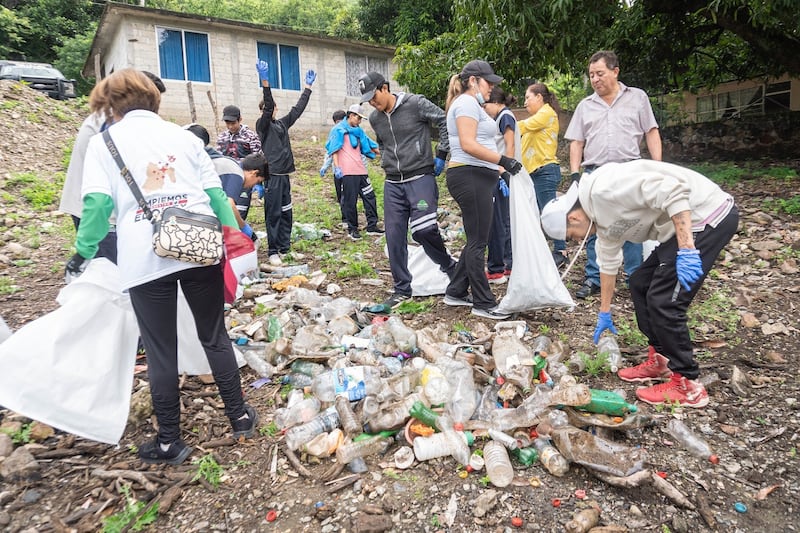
x=130, y=475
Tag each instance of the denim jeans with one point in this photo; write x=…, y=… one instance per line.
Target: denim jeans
x=499, y=257
x=631, y=258
x=545, y=183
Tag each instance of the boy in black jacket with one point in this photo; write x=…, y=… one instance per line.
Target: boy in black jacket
x=278, y=193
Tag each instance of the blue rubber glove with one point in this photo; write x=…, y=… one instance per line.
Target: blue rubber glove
x=310, y=77
x=503, y=186
x=259, y=190
x=604, y=323
x=263, y=70
x=322, y=172
x=337, y=173
x=689, y=267
x=248, y=230
x=438, y=165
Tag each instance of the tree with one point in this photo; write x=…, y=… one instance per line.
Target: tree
x=72, y=56
x=12, y=32
x=399, y=22
x=51, y=22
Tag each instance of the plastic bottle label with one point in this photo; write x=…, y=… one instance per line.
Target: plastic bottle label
x=350, y=382
x=546, y=454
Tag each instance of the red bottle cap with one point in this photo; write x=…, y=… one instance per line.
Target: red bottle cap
x=580, y=494
x=500, y=380
x=556, y=502
x=534, y=434
x=271, y=516
x=458, y=426
x=662, y=475
x=516, y=521
x=714, y=459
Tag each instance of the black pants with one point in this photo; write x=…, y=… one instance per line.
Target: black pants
x=107, y=247
x=155, y=304
x=660, y=302
x=500, y=259
x=337, y=186
x=353, y=187
x=278, y=213
x=471, y=187
x=412, y=203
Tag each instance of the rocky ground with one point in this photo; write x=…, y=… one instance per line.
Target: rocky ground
x=745, y=333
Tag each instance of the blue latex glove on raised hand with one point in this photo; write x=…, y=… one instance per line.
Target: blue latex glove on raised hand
x=311, y=76
x=259, y=190
x=337, y=173
x=503, y=186
x=689, y=267
x=263, y=70
x=604, y=323
x=438, y=165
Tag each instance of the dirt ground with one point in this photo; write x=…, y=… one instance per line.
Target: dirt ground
x=753, y=425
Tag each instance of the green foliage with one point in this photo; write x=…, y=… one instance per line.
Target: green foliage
x=121, y=521
x=716, y=308
x=414, y=307
x=404, y=21
x=595, y=365
x=270, y=430
x=355, y=267
x=628, y=332
x=13, y=28
x=71, y=56
x=208, y=469
x=20, y=436
x=790, y=206
x=7, y=286
x=39, y=192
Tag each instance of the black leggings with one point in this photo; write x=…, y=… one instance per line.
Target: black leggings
x=155, y=304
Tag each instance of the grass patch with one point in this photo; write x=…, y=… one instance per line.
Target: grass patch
x=717, y=310
x=20, y=436
x=129, y=519
x=209, y=469
x=595, y=365
x=7, y=286
x=414, y=307
x=790, y=206
x=40, y=193
x=628, y=332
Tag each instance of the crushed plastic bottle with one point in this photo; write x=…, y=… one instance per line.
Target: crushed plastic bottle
x=503, y=438
x=583, y=448
x=607, y=403
x=453, y=443
x=327, y=420
x=608, y=345
x=298, y=413
x=307, y=367
x=404, y=337
x=393, y=415
x=373, y=445
x=324, y=444
x=399, y=385
x=509, y=351
x=549, y=456
x=542, y=345
x=355, y=382
x=691, y=441
x=583, y=521
x=298, y=381
x=347, y=416
x=464, y=398
x=498, y=464
x=258, y=363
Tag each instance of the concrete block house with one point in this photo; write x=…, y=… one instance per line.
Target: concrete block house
x=208, y=63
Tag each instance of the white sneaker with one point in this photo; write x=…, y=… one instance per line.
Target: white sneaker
x=275, y=260
x=492, y=313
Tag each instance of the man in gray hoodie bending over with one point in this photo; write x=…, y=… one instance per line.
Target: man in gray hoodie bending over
x=402, y=124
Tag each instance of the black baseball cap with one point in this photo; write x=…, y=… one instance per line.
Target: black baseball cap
x=368, y=84
x=231, y=113
x=481, y=69
x=338, y=115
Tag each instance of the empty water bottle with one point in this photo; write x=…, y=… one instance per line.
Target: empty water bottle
x=498, y=464
x=503, y=438
x=608, y=403
x=404, y=337
x=376, y=444
x=691, y=441
x=355, y=382
x=258, y=363
x=608, y=345
x=551, y=459
x=307, y=367
x=298, y=413
x=347, y=417
x=583, y=448
x=541, y=345
x=298, y=381
x=393, y=415
x=454, y=443
x=327, y=420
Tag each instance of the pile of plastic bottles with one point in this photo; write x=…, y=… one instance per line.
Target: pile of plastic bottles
x=500, y=401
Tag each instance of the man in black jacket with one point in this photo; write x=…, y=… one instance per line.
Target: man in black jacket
x=278, y=151
x=402, y=124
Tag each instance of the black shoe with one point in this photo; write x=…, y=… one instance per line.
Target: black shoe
x=151, y=452
x=396, y=299
x=245, y=427
x=587, y=289
x=375, y=231
x=560, y=259
x=354, y=235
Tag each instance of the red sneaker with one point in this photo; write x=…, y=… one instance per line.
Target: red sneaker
x=684, y=392
x=496, y=279
x=654, y=368
x=507, y=273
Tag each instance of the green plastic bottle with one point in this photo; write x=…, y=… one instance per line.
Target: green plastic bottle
x=526, y=456
x=608, y=403
x=424, y=414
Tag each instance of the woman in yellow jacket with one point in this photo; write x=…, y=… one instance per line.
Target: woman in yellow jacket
x=539, y=138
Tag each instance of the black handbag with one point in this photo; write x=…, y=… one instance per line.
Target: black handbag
x=177, y=233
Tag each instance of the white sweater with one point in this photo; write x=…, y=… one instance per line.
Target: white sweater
x=635, y=201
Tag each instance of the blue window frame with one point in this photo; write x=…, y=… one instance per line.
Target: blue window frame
x=183, y=55
x=284, y=65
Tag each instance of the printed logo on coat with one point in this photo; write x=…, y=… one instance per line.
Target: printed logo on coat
x=157, y=173
x=422, y=205
x=619, y=227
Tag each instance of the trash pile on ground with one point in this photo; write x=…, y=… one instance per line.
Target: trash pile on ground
x=493, y=401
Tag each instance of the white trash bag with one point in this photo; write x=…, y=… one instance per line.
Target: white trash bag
x=535, y=282
x=73, y=368
x=427, y=279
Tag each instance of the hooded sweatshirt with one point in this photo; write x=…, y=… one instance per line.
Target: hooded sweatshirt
x=635, y=201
